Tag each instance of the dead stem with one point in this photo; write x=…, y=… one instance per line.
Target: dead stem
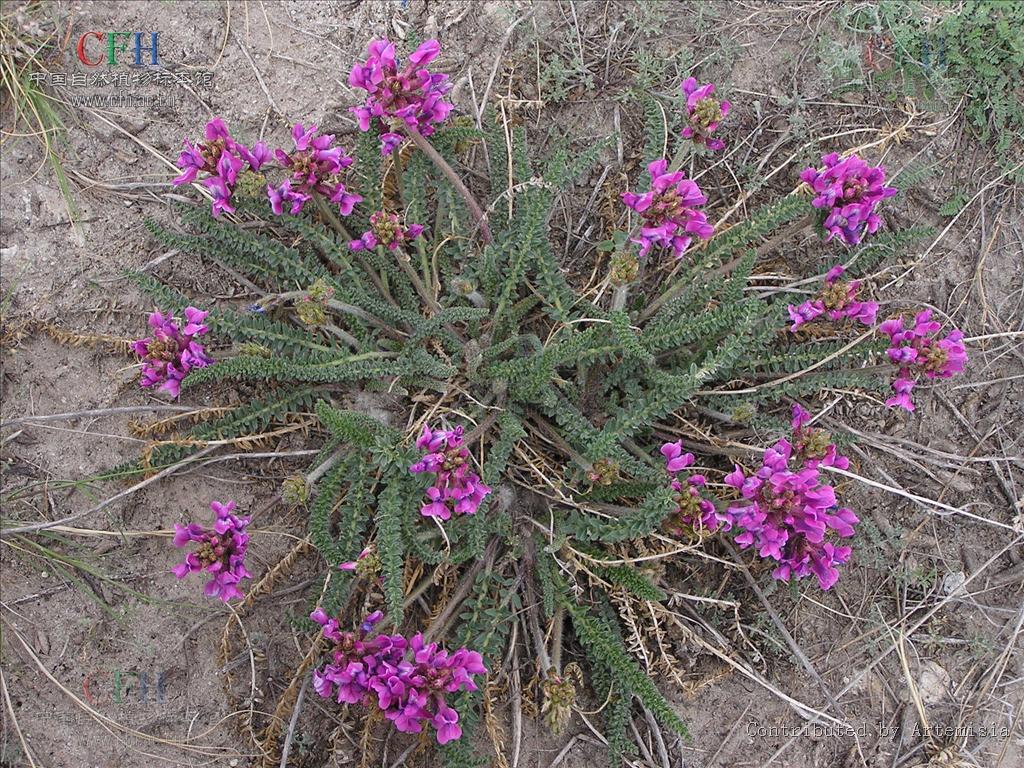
x=287, y=747
x=781, y=626
x=532, y=619
x=440, y=624
x=5, y=532
x=96, y=413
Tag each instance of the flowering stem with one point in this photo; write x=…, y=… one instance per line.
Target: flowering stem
x=621, y=293
x=414, y=278
x=676, y=288
x=339, y=306
x=338, y=227
x=362, y=314
x=491, y=417
x=331, y=217
x=461, y=592
x=552, y=434
x=474, y=207
x=348, y=338
x=417, y=592
x=619, y=296
x=428, y=275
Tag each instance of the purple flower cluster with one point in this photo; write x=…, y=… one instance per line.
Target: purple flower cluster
x=222, y=159
x=314, y=166
x=917, y=350
x=694, y=514
x=786, y=512
x=386, y=229
x=669, y=211
x=413, y=96
x=703, y=113
x=837, y=301
x=847, y=191
x=456, y=487
x=171, y=352
x=407, y=679
x=221, y=551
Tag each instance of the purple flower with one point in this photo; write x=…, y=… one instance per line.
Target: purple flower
x=171, y=352
x=694, y=514
x=371, y=621
x=386, y=229
x=837, y=301
x=446, y=723
x=222, y=158
x=919, y=351
x=389, y=142
x=669, y=211
x=847, y=192
x=805, y=312
x=413, y=95
x=675, y=459
x=703, y=113
x=284, y=193
x=456, y=489
x=437, y=506
x=315, y=167
x=407, y=680
x=353, y=564
x=257, y=156
x=786, y=512
x=221, y=551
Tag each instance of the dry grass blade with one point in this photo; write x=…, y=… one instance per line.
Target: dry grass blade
x=14, y=721
x=167, y=472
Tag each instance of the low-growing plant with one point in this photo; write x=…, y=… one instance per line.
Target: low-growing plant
x=969, y=53
x=547, y=444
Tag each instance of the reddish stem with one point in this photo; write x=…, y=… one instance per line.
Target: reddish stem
x=474, y=207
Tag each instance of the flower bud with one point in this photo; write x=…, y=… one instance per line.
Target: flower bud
x=623, y=269
x=295, y=491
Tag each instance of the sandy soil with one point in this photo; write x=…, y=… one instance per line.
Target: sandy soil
x=80, y=635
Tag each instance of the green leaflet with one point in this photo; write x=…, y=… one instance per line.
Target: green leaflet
x=391, y=547
x=354, y=427
x=601, y=644
x=657, y=505
x=632, y=580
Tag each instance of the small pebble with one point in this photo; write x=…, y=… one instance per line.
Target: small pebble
x=952, y=582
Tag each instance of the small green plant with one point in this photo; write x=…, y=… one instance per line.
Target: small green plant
x=561, y=76
x=968, y=53
x=841, y=64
